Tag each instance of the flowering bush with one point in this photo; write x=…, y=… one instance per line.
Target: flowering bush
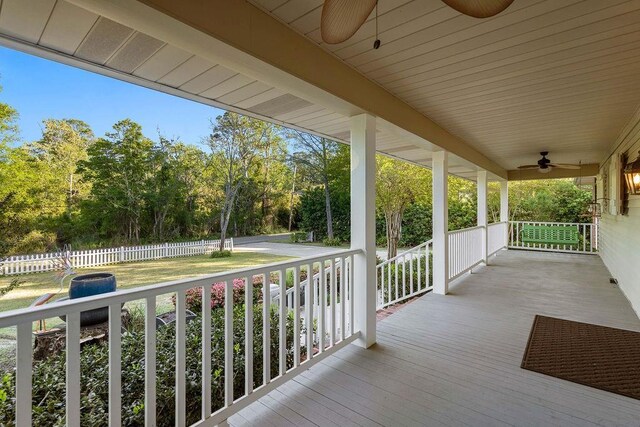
x=194, y=295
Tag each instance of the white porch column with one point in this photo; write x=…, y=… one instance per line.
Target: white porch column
x=504, y=208
x=440, y=223
x=363, y=224
x=482, y=211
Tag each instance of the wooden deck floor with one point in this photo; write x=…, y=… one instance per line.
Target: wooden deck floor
x=455, y=359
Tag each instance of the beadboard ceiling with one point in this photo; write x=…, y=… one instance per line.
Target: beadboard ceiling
x=555, y=75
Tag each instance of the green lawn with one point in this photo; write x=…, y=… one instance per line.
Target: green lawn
x=130, y=275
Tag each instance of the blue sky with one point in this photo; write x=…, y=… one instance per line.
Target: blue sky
x=40, y=89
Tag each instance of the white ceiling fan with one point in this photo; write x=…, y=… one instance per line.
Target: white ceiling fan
x=341, y=18
x=544, y=165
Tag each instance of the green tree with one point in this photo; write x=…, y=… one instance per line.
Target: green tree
x=553, y=200
x=63, y=146
x=235, y=143
x=315, y=153
x=119, y=166
x=273, y=176
x=397, y=184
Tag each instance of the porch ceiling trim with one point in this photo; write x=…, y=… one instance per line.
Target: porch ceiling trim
x=243, y=37
x=522, y=175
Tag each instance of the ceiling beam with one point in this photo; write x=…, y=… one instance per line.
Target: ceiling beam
x=528, y=174
x=250, y=41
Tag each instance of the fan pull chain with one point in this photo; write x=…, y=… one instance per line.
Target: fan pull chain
x=376, y=44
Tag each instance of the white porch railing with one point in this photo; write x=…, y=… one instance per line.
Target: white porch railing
x=404, y=276
x=587, y=237
x=38, y=263
x=465, y=250
x=496, y=237
x=310, y=344
x=333, y=308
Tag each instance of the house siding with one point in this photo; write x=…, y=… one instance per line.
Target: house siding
x=619, y=243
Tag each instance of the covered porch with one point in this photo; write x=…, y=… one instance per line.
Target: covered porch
x=455, y=359
x=452, y=356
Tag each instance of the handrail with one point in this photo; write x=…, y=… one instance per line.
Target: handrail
x=402, y=254
x=396, y=280
x=462, y=230
x=334, y=308
x=33, y=314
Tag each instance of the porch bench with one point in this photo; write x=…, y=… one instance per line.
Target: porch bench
x=550, y=234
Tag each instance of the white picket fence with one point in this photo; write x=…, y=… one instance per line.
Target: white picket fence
x=38, y=263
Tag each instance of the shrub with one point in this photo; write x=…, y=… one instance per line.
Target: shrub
x=49, y=374
x=220, y=254
x=332, y=242
x=194, y=295
x=298, y=237
x=35, y=242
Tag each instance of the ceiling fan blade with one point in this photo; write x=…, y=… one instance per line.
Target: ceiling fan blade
x=564, y=166
x=479, y=8
x=341, y=18
x=529, y=167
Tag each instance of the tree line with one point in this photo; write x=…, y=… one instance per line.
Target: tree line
x=246, y=176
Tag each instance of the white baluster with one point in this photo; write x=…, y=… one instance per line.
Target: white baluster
x=181, y=365
x=296, y=316
x=248, y=335
x=115, y=366
x=206, y=351
x=282, y=331
x=150, y=362
x=266, y=328
x=333, y=301
x=228, y=343
x=308, y=308
x=73, y=370
x=24, y=362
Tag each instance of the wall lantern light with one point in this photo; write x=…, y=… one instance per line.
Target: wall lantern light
x=632, y=176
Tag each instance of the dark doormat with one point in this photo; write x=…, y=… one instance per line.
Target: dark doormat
x=592, y=355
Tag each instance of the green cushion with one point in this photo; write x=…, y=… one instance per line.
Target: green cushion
x=550, y=234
